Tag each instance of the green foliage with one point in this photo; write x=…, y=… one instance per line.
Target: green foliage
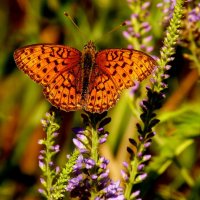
x=54, y=180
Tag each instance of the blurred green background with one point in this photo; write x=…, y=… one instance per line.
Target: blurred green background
x=174, y=172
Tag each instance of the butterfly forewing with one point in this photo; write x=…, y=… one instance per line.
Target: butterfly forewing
x=57, y=68
x=125, y=65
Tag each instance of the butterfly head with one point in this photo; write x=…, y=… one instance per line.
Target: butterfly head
x=90, y=47
x=88, y=54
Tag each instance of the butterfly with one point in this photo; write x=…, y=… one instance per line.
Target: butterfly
x=90, y=80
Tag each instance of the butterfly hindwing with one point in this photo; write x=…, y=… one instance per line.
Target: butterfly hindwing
x=102, y=92
x=65, y=91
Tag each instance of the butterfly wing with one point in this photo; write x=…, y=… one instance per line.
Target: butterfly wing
x=57, y=68
x=102, y=92
x=115, y=70
x=125, y=65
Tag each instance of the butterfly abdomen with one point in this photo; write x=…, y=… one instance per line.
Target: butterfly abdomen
x=88, y=61
x=86, y=70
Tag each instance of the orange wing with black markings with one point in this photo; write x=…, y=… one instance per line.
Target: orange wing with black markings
x=115, y=70
x=102, y=92
x=57, y=68
x=89, y=80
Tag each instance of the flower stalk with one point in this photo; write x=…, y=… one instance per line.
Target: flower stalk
x=155, y=94
x=54, y=178
x=90, y=179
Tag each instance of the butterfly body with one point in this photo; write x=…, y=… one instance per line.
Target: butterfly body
x=90, y=80
x=88, y=65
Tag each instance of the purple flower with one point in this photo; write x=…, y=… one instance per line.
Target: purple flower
x=89, y=163
x=141, y=177
x=104, y=175
x=124, y=175
x=191, y=32
x=40, y=157
x=147, y=144
x=114, y=191
x=41, y=191
x=74, y=182
x=194, y=14
x=101, y=129
x=135, y=194
x=41, y=165
x=141, y=167
x=127, y=35
x=90, y=172
x=56, y=148
x=102, y=140
x=167, y=7
x=146, y=157
x=82, y=183
x=139, y=154
x=57, y=169
x=42, y=181
x=79, y=163
x=125, y=164
x=103, y=162
x=145, y=5
x=82, y=148
x=138, y=27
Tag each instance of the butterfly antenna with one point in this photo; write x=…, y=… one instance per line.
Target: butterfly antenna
x=116, y=28
x=76, y=26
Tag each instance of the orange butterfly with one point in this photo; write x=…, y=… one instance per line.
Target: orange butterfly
x=88, y=80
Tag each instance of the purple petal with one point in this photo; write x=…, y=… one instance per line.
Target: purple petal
x=41, y=191
x=126, y=34
x=89, y=163
x=135, y=194
x=41, y=165
x=145, y=5
x=134, y=16
x=42, y=181
x=55, y=134
x=147, y=144
x=124, y=175
x=40, y=157
x=82, y=137
x=78, y=144
x=125, y=164
x=146, y=157
x=100, y=129
x=140, y=167
x=102, y=140
x=104, y=175
x=142, y=176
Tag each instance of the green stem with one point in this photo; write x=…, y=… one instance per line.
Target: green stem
x=134, y=164
x=48, y=170
x=94, y=156
x=95, y=145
